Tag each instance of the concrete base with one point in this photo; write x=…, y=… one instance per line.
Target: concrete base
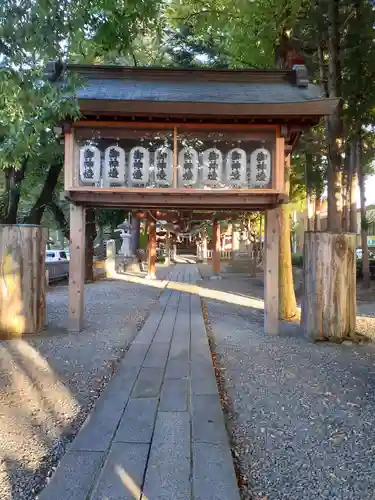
x=150, y=277
x=126, y=264
x=215, y=277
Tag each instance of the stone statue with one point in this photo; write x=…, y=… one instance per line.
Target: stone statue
x=125, y=234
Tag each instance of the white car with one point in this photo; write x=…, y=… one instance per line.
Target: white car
x=56, y=256
x=359, y=254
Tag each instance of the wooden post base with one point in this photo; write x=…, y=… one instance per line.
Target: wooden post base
x=329, y=301
x=22, y=279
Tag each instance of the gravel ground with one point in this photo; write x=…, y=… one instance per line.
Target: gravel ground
x=49, y=382
x=301, y=415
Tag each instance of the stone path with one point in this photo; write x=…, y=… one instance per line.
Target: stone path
x=157, y=432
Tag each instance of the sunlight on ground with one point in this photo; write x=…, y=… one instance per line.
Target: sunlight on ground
x=129, y=483
x=231, y=298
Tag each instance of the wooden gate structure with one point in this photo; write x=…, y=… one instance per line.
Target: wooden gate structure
x=184, y=144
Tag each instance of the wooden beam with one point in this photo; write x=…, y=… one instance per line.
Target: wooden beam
x=151, y=270
x=69, y=159
x=216, y=247
x=266, y=111
x=177, y=199
x=77, y=267
x=253, y=128
x=271, y=272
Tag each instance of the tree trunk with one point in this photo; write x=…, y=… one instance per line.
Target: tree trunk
x=309, y=192
x=287, y=297
x=310, y=211
x=353, y=175
x=345, y=201
x=60, y=218
x=46, y=195
x=334, y=122
x=22, y=277
x=15, y=181
x=364, y=224
x=318, y=205
x=329, y=302
x=90, y=237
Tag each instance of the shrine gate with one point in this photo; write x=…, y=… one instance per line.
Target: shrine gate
x=184, y=144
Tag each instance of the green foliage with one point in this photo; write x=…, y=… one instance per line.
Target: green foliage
x=297, y=260
x=245, y=32
x=32, y=33
x=143, y=240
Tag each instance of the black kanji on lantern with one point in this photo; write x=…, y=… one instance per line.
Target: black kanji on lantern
x=88, y=164
x=235, y=166
x=138, y=165
x=188, y=166
x=161, y=174
x=261, y=175
x=114, y=163
x=213, y=165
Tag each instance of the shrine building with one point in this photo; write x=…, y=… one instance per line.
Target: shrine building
x=184, y=143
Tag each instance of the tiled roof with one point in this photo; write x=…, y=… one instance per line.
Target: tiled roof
x=128, y=89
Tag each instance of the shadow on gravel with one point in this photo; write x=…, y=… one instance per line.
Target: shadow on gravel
x=49, y=382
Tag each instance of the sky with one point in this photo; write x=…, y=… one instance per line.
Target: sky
x=370, y=191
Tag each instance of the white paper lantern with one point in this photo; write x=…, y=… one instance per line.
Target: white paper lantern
x=235, y=167
x=114, y=166
x=260, y=167
x=212, y=166
x=187, y=166
x=89, y=165
x=163, y=167
x=139, y=166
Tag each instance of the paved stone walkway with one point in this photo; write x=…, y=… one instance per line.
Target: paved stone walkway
x=157, y=432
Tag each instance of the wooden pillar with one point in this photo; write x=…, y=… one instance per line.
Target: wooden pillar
x=216, y=247
x=77, y=267
x=271, y=272
x=151, y=270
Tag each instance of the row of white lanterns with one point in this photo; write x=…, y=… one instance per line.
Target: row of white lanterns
x=188, y=166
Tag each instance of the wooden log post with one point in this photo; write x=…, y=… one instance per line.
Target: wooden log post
x=271, y=272
x=168, y=248
x=22, y=279
x=216, y=248
x=329, y=301
x=151, y=269
x=77, y=267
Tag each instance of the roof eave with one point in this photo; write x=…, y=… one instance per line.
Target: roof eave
x=315, y=108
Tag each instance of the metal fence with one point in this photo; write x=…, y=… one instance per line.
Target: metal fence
x=224, y=254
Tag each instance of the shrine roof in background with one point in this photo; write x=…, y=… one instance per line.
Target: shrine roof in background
x=125, y=91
